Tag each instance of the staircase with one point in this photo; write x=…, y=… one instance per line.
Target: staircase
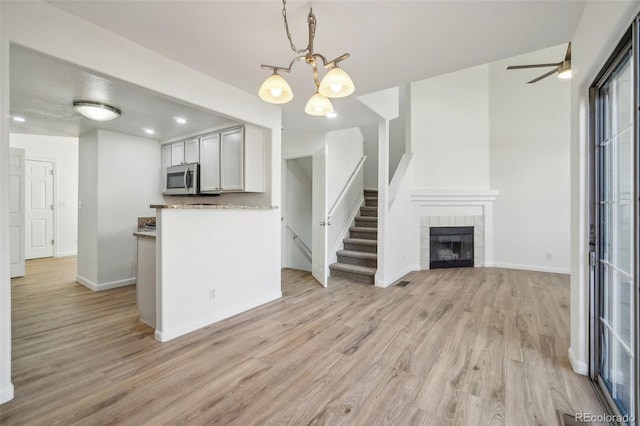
x=359, y=260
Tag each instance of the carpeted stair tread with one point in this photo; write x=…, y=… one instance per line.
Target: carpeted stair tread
x=362, y=241
x=358, y=254
x=367, y=218
x=363, y=229
x=354, y=269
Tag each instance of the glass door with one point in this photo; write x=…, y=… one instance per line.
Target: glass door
x=616, y=286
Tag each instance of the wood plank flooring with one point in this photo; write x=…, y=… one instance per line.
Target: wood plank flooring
x=460, y=346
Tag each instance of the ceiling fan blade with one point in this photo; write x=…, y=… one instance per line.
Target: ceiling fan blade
x=520, y=67
x=567, y=57
x=535, y=80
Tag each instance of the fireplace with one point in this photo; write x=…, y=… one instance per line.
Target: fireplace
x=451, y=247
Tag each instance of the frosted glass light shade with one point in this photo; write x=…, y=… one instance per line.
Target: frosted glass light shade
x=336, y=84
x=318, y=105
x=275, y=90
x=564, y=70
x=96, y=111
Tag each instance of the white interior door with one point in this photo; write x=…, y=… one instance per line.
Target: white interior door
x=16, y=211
x=39, y=210
x=319, y=267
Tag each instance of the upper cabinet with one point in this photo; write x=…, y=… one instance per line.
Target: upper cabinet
x=192, y=150
x=182, y=152
x=234, y=159
x=210, y=163
x=231, y=160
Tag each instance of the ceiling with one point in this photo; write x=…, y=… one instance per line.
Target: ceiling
x=390, y=42
x=43, y=90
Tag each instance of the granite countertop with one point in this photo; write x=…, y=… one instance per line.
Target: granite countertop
x=145, y=234
x=210, y=206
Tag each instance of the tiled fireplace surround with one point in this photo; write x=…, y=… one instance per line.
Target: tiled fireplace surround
x=457, y=208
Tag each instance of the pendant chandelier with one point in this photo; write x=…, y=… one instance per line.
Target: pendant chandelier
x=335, y=84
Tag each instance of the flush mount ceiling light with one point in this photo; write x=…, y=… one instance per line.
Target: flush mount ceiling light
x=335, y=84
x=96, y=110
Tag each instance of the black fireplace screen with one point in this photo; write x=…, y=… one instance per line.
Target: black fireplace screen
x=451, y=247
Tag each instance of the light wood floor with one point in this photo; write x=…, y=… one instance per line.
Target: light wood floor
x=466, y=346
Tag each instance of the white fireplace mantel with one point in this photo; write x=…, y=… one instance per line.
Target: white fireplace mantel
x=441, y=202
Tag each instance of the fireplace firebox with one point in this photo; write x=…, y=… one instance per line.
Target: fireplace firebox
x=451, y=247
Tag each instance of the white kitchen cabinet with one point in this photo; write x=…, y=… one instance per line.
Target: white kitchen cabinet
x=210, y=163
x=232, y=160
x=177, y=153
x=166, y=162
x=146, y=280
x=192, y=150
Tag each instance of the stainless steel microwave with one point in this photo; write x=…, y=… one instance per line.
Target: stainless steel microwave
x=183, y=179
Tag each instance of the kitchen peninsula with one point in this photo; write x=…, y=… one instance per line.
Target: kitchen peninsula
x=213, y=262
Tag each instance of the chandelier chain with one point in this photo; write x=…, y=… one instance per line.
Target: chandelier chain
x=286, y=26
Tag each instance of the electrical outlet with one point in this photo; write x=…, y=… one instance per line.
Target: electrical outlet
x=212, y=294
x=548, y=256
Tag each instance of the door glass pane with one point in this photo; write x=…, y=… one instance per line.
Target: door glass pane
x=616, y=281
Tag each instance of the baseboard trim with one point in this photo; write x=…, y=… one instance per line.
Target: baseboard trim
x=528, y=268
x=579, y=367
x=6, y=393
x=395, y=277
x=105, y=286
x=166, y=335
x=66, y=253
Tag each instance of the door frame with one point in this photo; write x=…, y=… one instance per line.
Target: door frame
x=630, y=40
x=18, y=269
x=283, y=230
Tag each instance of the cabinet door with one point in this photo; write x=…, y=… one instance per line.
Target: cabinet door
x=210, y=163
x=191, y=151
x=166, y=162
x=232, y=160
x=177, y=153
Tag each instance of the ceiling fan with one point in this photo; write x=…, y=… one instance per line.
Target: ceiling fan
x=563, y=68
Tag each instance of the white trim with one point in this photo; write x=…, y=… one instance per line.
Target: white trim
x=396, y=277
x=6, y=393
x=165, y=336
x=105, y=286
x=579, y=367
x=340, y=242
x=66, y=253
x=425, y=194
x=566, y=271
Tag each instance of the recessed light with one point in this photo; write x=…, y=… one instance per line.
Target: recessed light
x=149, y=131
x=19, y=119
x=332, y=115
x=180, y=120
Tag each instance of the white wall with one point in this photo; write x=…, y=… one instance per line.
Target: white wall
x=241, y=275
x=88, y=207
x=598, y=32
x=529, y=152
x=63, y=151
x=297, y=212
x=398, y=132
x=370, y=135
x=120, y=179
x=450, y=118
x=36, y=25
